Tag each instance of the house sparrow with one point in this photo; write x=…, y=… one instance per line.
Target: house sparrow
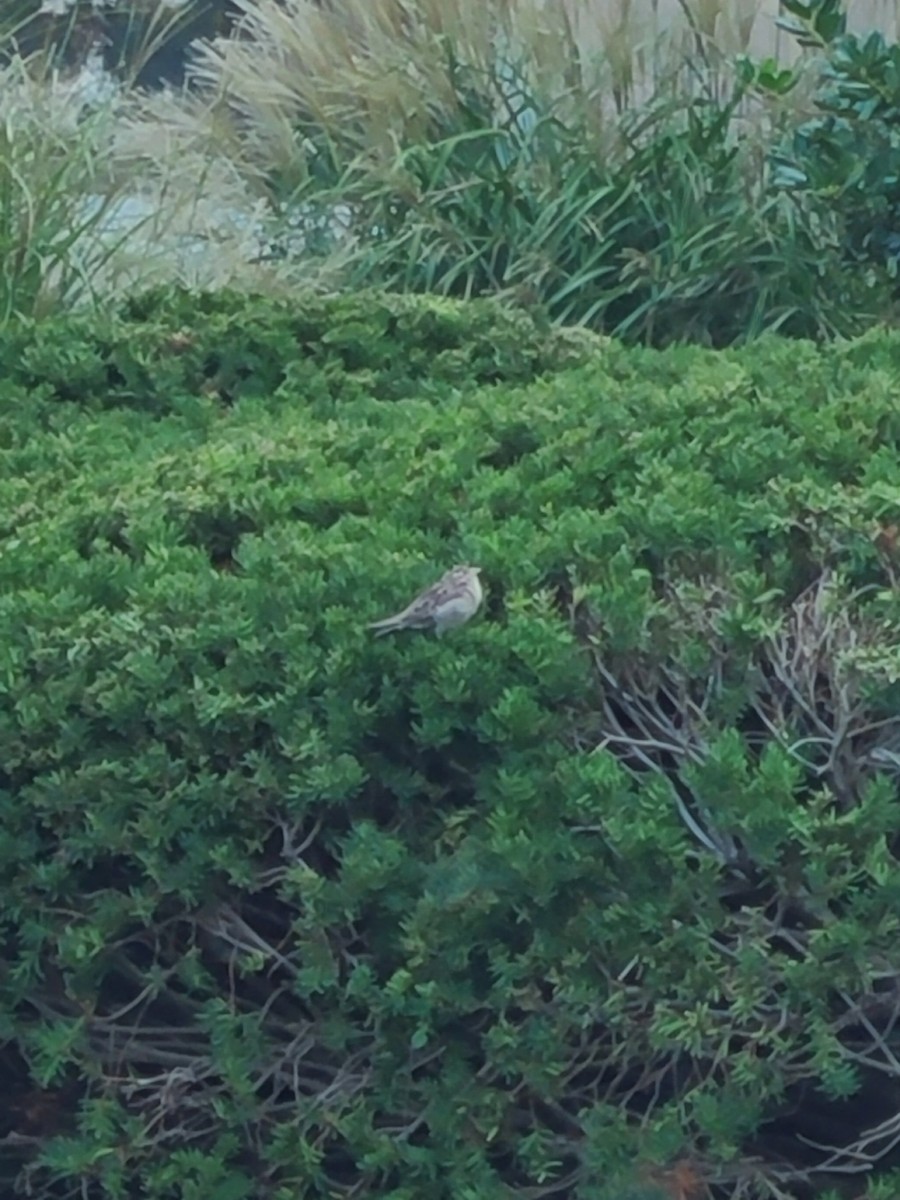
x=450, y=602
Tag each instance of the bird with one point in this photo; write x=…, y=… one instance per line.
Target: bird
x=451, y=601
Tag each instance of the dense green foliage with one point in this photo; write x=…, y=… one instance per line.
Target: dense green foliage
x=848, y=156
x=573, y=901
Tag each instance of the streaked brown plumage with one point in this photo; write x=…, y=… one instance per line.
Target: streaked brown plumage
x=453, y=600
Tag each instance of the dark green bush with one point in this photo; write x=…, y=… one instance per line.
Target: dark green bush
x=164, y=351
x=847, y=158
x=595, y=897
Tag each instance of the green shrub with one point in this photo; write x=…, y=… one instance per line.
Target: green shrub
x=847, y=158
x=574, y=901
x=168, y=347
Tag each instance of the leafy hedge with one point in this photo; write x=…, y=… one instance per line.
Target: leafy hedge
x=596, y=897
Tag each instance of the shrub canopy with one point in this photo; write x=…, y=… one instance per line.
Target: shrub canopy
x=597, y=896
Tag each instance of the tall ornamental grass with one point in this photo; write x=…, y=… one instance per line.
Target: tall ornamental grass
x=82, y=221
x=652, y=179
x=488, y=148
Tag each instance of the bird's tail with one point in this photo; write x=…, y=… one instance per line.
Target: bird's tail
x=388, y=625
